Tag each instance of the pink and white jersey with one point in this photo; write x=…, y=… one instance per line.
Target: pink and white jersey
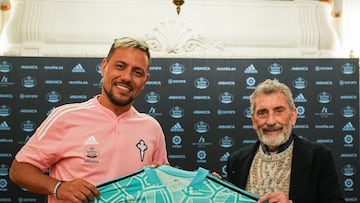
x=87, y=140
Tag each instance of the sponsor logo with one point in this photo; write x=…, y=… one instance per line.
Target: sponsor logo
x=301, y=111
x=74, y=96
x=226, y=142
x=226, y=127
x=53, y=82
x=250, y=83
x=201, y=97
x=300, y=98
x=299, y=83
x=201, y=127
x=28, y=82
x=153, y=112
x=226, y=69
x=324, y=113
x=78, y=69
x=348, y=140
x=324, y=97
x=177, y=112
x=324, y=126
x=178, y=97
x=5, y=111
x=173, y=81
x=155, y=68
x=348, y=97
x=6, y=96
x=201, y=142
x=349, y=185
x=53, y=67
x=324, y=83
x=4, y=170
x=303, y=126
x=348, y=112
x=157, y=82
x=177, y=69
x=201, y=68
x=226, y=98
x=349, y=170
x=78, y=82
x=4, y=82
x=226, y=83
x=323, y=68
x=53, y=97
x=177, y=128
x=29, y=67
x=348, y=127
x=247, y=112
x=325, y=141
x=98, y=68
x=176, y=140
x=275, y=69
x=177, y=156
x=225, y=157
x=28, y=96
x=201, y=83
x=348, y=69
x=299, y=68
x=201, y=112
x=28, y=126
x=5, y=67
x=348, y=82
x=225, y=112
x=91, y=152
x=4, y=126
x=152, y=97
x=250, y=69
x=91, y=141
x=201, y=155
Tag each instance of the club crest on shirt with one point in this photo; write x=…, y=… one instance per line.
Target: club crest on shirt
x=91, y=152
x=91, y=155
x=142, y=148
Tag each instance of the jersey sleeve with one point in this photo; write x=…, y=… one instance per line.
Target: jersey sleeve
x=44, y=146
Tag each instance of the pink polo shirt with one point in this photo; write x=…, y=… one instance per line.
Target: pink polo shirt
x=87, y=140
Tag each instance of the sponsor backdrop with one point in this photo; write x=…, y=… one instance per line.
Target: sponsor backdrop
x=202, y=105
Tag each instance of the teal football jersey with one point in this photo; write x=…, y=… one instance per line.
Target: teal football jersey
x=167, y=184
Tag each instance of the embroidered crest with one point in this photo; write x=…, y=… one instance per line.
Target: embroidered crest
x=142, y=148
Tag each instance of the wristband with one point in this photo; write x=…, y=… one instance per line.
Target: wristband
x=56, y=189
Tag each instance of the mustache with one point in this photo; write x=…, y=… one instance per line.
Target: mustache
x=272, y=127
x=125, y=83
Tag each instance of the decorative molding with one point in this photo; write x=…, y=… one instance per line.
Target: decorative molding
x=30, y=28
x=254, y=28
x=175, y=37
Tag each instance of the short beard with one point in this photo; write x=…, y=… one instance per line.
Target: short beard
x=117, y=102
x=277, y=140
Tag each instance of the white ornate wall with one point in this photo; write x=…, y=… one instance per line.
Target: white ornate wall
x=211, y=28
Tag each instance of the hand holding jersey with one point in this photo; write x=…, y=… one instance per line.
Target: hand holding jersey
x=105, y=137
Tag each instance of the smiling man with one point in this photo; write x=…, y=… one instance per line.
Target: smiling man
x=281, y=166
x=88, y=143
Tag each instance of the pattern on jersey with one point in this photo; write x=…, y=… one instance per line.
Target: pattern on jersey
x=181, y=186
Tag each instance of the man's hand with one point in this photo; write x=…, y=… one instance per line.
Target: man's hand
x=275, y=197
x=77, y=191
x=216, y=174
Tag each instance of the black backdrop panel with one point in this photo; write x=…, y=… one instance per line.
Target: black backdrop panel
x=202, y=105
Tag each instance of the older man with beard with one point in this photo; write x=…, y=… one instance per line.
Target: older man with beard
x=281, y=166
